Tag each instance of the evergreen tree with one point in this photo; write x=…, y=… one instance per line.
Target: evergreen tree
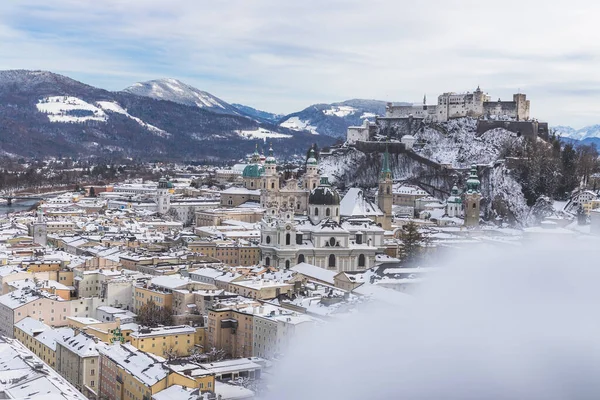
x=412, y=242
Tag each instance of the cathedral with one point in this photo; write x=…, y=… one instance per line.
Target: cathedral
x=274, y=196
x=303, y=223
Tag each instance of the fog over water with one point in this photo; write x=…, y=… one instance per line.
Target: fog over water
x=505, y=323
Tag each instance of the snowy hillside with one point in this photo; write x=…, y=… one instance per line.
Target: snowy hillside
x=69, y=109
x=456, y=143
x=182, y=93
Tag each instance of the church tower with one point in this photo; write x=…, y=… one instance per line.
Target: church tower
x=311, y=179
x=40, y=229
x=472, y=198
x=163, y=198
x=454, y=203
x=385, y=196
x=269, y=195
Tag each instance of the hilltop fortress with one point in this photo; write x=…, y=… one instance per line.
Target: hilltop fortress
x=456, y=105
x=401, y=121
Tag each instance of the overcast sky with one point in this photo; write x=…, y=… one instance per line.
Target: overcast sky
x=283, y=55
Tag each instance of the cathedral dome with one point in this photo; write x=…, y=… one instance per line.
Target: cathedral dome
x=252, y=171
x=324, y=194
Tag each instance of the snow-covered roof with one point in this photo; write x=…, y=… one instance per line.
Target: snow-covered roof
x=354, y=204
x=24, y=376
x=31, y=326
x=312, y=271
x=170, y=281
x=146, y=367
x=82, y=344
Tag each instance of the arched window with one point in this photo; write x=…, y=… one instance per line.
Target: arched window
x=327, y=212
x=337, y=212
x=252, y=184
x=316, y=211
x=314, y=185
x=388, y=190
x=268, y=261
x=474, y=205
x=331, y=261
x=287, y=264
x=268, y=239
x=361, y=260
x=332, y=242
x=298, y=207
x=358, y=238
x=298, y=238
x=300, y=258
x=272, y=185
x=288, y=239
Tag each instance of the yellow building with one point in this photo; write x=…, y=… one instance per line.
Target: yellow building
x=167, y=341
x=160, y=297
x=127, y=373
x=40, y=338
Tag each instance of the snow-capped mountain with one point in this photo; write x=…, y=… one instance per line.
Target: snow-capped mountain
x=333, y=119
x=182, y=93
x=46, y=114
x=587, y=132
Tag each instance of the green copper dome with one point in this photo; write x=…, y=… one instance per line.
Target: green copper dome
x=473, y=182
x=270, y=159
x=312, y=160
x=253, y=171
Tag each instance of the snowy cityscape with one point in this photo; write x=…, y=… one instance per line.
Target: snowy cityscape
x=159, y=242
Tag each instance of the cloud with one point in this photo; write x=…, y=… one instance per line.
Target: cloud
x=285, y=55
x=491, y=325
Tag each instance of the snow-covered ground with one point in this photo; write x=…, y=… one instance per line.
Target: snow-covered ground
x=262, y=133
x=68, y=109
x=115, y=107
x=296, y=124
x=340, y=111
x=368, y=115
x=461, y=146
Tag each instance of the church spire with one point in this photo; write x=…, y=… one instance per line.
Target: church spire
x=386, y=172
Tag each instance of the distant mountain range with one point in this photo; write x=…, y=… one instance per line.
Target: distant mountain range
x=586, y=135
x=334, y=119
x=45, y=114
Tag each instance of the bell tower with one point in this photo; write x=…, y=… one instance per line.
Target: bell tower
x=385, y=196
x=311, y=179
x=472, y=198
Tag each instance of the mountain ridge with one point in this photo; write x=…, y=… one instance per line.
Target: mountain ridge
x=46, y=114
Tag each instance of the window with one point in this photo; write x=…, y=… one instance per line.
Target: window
x=358, y=238
x=92, y=372
x=316, y=211
x=331, y=261
x=300, y=258
x=327, y=212
x=474, y=205
x=268, y=261
x=298, y=239
x=92, y=383
x=268, y=239
x=287, y=264
x=272, y=185
x=332, y=242
x=288, y=239
x=361, y=260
